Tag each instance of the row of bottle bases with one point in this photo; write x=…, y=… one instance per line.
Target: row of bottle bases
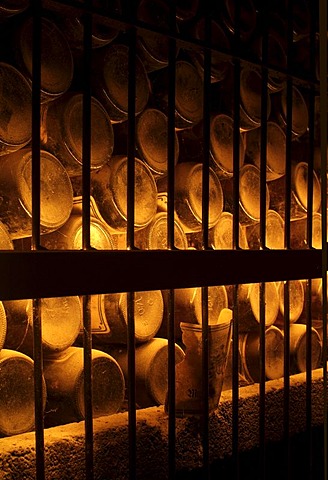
x=62, y=345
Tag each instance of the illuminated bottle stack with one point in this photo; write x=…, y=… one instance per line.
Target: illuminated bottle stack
x=61, y=187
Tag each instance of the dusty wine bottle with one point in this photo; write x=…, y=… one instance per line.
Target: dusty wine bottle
x=302, y=55
x=298, y=349
x=6, y=243
x=220, y=63
x=17, y=393
x=249, y=195
x=56, y=57
x=298, y=233
x=317, y=312
x=56, y=193
x=109, y=189
x=274, y=232
x=247, y=20
x=251, y=98
x=300, y=113
x=61, y=132
x=151, y=140
x=151, y=359
x=250, y=105
x=103, y=29
x=8, y=8
x=154, y=236
x=61, y=319
x=64, y=377
x=188, y=196
x=153, y=48
x=109, y=316
x=249, y=345
x=110, y=74
x=188, y=304
x=221, y=145
x=276, y=58
x=186, y=10
x=296, y=301
x=249, y=305
x=188, y=94
x=301, y=19
x=69, y=236
x=16, y=108
x=299, y=192
x=220, y=237
x=275, y=150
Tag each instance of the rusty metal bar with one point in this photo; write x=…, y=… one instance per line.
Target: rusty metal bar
x=37, y=326
x=323, y=151
x=27, y=273
x=132, y=426
x=86, y=160
x=171, y=239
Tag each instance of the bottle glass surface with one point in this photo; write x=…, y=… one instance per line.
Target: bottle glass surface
x=16, y=110
x=110, y=81
x=64, y=377
x=188, y=196
x=56, y=57
x=56, y=193
x=109, y=190
x=17, y=393
x=61, y=132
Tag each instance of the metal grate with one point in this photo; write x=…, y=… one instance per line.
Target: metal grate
x=36, y=272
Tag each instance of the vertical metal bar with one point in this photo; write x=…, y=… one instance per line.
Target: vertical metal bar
x=235, y=386
x=131, y=388
x=264, y=114
x=235, y=236
x=205, y=219
x=87, y=379
x=308, y=406
x=86, y=126
x=36, y=185
x=206, y=130
x=131, y=137
x=289, y=104
x=236, y=127
x=263, y=215
x=262, y=462
x=323, y=148
x=86, y=155
x=170, y=239
x=205, y=384
x=36, y=123
x=38, y=390
x=286, y=439
x=132, y=427
x=311, y=105
x=171, y=126
x=171, y=386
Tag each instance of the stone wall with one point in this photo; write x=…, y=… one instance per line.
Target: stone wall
x=64, y=445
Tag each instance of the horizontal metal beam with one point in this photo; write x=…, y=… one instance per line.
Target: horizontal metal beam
x=37, y=274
